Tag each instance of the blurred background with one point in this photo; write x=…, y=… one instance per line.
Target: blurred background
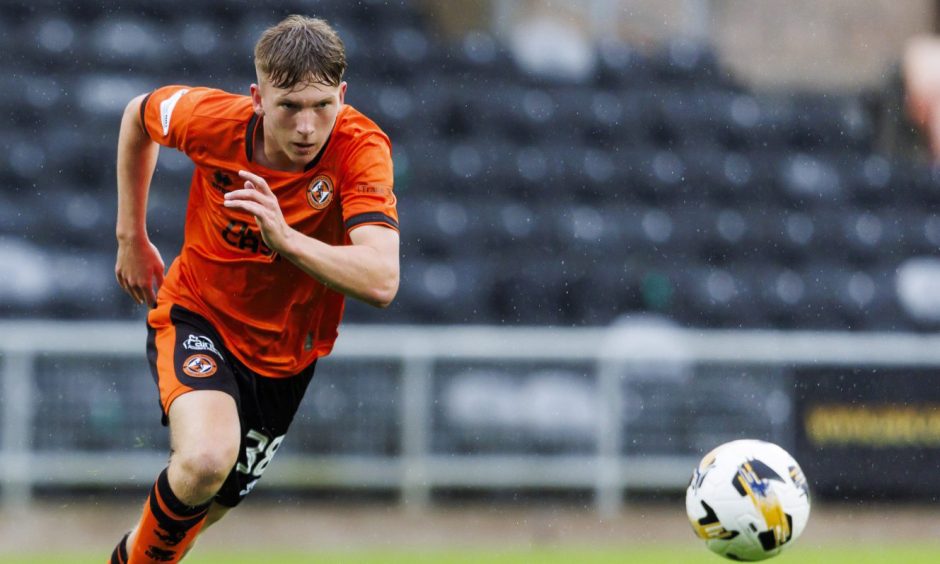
x=632, y=230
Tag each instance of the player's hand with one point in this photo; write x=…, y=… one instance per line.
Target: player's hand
x=257, y=199
x=139, y=270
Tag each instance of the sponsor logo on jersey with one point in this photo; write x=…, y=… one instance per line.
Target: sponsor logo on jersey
x=240, y=235
x=200, y=366
x=320, y=192
x=166, y=109
x=200, y=343
x=372, y=189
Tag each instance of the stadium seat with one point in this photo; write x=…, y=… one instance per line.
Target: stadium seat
x=118, y=41
x=622, y=66
x=781, y=293
x=796, y=237
x=447, y=292
x=587, y=231
x=811, y=179
x=530, y=290
x=507, y=224
x=686, y=61
x=729, y=237
x=20, y=214
x=873, y=180
x=924, y=183
x=868, y=300
x=711, y=296
x=86, y=287
x=823, y=121
x=737, y=121
x=868, y=234
x=764, y=121
x=801, y=297
x=730, y=178
x=921, y=232
x=439, y=228
x=28, y=281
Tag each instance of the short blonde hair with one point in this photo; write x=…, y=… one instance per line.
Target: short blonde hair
x=300, y=50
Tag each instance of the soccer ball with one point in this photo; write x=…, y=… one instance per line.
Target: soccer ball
x=748, y=500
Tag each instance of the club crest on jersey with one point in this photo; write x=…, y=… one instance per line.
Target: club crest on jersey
x=200, y=366
x=320, y=192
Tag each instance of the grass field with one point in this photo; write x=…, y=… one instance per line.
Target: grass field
x=803, y=555
x=281, y=533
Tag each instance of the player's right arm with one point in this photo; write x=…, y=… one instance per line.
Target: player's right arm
x=139, y=267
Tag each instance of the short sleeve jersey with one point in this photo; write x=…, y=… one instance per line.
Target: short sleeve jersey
x=273, y=316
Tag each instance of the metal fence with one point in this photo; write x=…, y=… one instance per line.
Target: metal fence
x=424, y=409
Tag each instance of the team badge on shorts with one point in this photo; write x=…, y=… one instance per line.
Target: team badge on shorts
x=320, y=192
x=200, y=366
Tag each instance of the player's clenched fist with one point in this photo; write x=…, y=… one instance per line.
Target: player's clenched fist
x=257, y=199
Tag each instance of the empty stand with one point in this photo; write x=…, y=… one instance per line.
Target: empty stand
x=657, y=185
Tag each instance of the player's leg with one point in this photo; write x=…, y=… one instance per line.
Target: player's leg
x=216, y=512
x=205, y=435
x=267, y=409
x=199, y=399
x=205, y=438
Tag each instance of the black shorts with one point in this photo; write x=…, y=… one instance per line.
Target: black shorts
x=186, y=353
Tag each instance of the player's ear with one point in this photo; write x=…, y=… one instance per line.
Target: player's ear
x=342, y=92
x=256, y=99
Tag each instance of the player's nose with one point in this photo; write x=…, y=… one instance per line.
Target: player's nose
x=305, y=126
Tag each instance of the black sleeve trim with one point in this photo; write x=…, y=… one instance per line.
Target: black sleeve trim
x=143, y=108
x=374, y=217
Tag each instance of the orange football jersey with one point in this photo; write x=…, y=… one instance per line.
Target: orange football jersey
x=276, y=318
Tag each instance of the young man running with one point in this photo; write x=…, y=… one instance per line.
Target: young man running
x=290, y=210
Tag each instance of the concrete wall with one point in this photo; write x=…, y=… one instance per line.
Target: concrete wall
x=828, y=44
x=814, y=44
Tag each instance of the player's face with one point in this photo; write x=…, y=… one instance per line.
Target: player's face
x=297, y=121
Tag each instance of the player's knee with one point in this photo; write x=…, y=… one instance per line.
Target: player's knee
x=207, y=466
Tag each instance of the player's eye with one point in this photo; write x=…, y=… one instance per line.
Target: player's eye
x=288, y=105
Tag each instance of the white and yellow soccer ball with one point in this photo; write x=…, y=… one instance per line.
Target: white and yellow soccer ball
x=748, y=500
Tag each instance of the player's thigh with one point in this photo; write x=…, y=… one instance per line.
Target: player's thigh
x=205, y=424
x=197, y=385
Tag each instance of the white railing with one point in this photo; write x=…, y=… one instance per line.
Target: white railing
x=416, y=349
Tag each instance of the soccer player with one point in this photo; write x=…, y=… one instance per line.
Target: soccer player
x=290, y=209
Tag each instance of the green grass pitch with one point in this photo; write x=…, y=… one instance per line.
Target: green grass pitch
x=875, y=554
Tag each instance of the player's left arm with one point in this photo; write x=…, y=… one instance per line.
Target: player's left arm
x=367, y=270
